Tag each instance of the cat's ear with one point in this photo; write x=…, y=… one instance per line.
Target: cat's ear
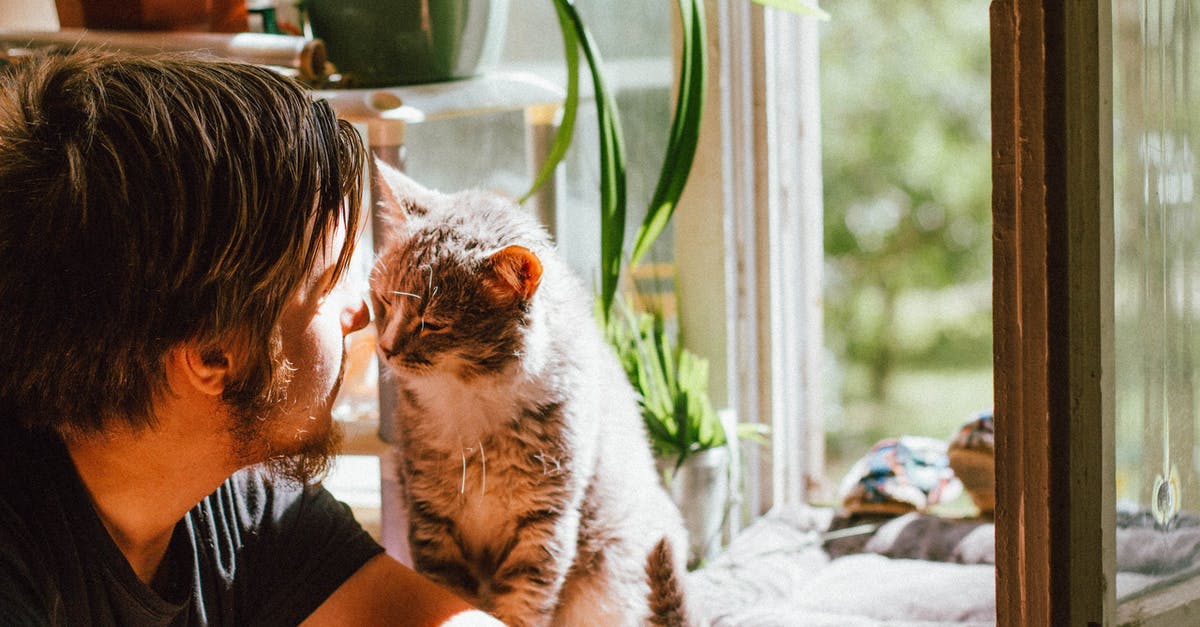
x=398, y=197
x=515, y=272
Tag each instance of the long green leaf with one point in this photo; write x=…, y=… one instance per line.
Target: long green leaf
x=566, y=126
x=796, y=6
x=612, y=166
x=685, y=128
x=659, y=385
x=666, y=356
x=684, y=438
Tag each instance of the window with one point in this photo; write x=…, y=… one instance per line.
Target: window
x=907, y=184
x=1155, y=279
x=1052, y=219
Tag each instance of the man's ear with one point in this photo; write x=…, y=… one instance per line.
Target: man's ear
x=204, y=368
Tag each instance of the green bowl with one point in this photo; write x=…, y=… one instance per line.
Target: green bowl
x=380, y=43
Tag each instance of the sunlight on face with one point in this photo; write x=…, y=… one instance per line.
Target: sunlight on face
x=293, y=428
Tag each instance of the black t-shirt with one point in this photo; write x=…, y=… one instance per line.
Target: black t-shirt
x=254, y=552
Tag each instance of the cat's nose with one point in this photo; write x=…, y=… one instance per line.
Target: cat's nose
x=355, y=316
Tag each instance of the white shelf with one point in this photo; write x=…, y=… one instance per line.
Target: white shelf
x=488, y=93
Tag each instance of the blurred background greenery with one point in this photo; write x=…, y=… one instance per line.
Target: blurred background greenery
x=907, y=183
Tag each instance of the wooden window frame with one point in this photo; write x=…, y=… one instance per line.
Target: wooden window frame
x=1053, y=312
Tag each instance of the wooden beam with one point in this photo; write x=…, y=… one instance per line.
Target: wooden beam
x=1022, y=506
x=1052, y=217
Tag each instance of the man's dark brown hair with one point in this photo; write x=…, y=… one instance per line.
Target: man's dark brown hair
x=151, y=201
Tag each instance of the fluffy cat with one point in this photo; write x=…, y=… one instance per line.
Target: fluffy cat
x=525, y=467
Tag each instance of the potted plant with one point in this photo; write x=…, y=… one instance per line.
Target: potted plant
x=688, y=439
x=382, y=43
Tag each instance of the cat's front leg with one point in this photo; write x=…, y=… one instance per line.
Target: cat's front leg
x=524, y=590
x=438, y=555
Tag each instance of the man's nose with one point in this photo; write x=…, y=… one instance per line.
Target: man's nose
x=355, y=316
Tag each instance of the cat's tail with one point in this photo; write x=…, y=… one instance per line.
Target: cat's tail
x=667, y=603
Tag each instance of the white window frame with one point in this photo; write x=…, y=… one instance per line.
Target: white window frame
x=750, y=282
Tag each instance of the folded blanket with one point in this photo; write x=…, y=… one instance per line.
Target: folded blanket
x=913, y=536
x=920, y=537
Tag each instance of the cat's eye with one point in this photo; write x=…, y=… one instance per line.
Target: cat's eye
x=380, y=304
x=430, y=327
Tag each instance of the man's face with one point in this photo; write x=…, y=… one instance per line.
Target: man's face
x=295, y=433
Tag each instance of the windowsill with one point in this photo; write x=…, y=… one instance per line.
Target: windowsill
x=622, y=74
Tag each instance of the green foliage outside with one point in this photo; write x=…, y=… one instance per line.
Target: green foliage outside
x=905, y=99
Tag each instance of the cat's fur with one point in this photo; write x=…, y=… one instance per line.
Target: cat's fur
x=525, y=467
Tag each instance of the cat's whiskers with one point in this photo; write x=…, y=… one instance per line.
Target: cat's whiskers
x=416, y=296
x=430, y=289
x=547, y=460
x=463, y=450
x=462, y=487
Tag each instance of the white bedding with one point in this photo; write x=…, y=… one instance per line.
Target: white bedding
x=775, y=573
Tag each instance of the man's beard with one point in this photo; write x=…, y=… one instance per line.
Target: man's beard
x=257, y=430
x=310, y=462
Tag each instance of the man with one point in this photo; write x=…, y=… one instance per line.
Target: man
x=172, y=235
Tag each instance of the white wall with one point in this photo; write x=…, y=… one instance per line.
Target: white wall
x=28, y=15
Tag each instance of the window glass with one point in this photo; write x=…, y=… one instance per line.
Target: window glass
x=906, y=173
x=1157, y=293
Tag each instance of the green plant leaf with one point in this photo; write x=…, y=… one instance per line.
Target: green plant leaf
x=672, y=384
x=664, y=356
x=796, y=6
x=612, y=164
x=685, y=128
x=566, y=126
x=684, y=437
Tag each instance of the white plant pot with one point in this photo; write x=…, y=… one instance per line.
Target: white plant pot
x=700, y=487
